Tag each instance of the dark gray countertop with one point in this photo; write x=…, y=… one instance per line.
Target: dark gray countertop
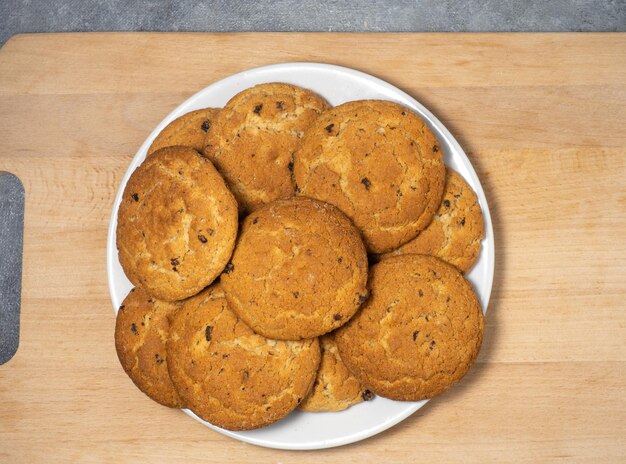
x=17, y=16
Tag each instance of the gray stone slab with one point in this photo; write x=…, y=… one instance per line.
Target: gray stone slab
x=18, y=16
x=11, y=239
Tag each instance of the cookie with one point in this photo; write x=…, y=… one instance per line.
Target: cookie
x=418, y=333
x=230, y=376
x=335, y=388
x=141, y=331
x=456, y=230
x=189, y=130
x=299, y=270
x=176, y=224
x=379, y=163
x=254, y=137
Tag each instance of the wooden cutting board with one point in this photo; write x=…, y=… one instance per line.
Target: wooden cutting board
x=542, y=118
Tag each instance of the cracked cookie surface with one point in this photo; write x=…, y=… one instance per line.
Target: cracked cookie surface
x=335, y=388
x=379, y=163
x=230, y=376
x=456, y=230
x=141, y=332
x=418, y=333
x=254, y=137
x=189, y=130
x=176, y=225
x=299, y=270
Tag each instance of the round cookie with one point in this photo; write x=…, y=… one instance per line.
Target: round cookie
x=189, y=130
x=141, y=331
x=230, y=376
x=299, y=270
x=254, y=137
x=176, y=224
x=379, y=163
x=418, y=333
x=335, y=388
x=456, y=230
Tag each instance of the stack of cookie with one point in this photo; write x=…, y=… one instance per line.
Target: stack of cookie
x=248, y=233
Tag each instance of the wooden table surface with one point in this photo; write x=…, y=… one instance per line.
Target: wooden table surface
x=542, y=118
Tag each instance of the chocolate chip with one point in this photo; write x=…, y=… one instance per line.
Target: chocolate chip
x=432, y=345
x=365, y=181
x=174, y=262
x=258, y=108
x=367, y=395
x=224, y=356
x=413, y=188
x=399, y=193
x=340, y=260
x=463, y=221
x=207, y=333
x=329, y=128
x=296, y=294
x=299, y=399
x=202, y=238
x=415, y=334
x=421, y=293
x=135, y=197
x=122, y=308
x=280, y=105
x=362, y=298
x=206, y=125
x=290, y=166
x=446, y=203
x=337, y=317
x=133, y=328
x=404, y=113
x=448, y=299
x=229, y=267
x=435, y=148
x=255, y=220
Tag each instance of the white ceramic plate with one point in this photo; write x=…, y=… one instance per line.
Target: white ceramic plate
x=338, y=85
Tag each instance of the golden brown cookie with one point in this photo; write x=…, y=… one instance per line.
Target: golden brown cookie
x=254, y=137
x=457, y=229
x=176, y=224
x=189, y=130
x=299, y=270
x=141, y=331
x=230, y=376
x=335, y=388
x=418, y=333
x=379, y=163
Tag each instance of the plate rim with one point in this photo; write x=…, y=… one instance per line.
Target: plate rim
x=284, y=67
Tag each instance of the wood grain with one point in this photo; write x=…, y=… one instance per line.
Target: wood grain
x=542, y=118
